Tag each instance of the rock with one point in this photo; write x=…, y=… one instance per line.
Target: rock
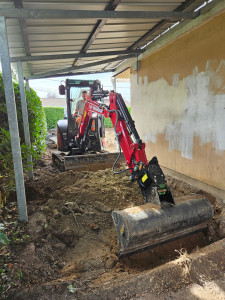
x=31, y=210
x=51, y=202
x=49, y=237
x=222, y=225
x=94, y=227
x=41, y=163
x=102, y=207
x=60, y=264
x=53, y=222
x=30, y=249
x=59, y=246
x=37, y=223
x=111, y=262
x=74, y=206
x=46, y=209
x=56, y=214
x=67, y=236
x=52, y=145
x=65, y=210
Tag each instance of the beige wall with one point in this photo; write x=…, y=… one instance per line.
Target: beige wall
x=178, y=103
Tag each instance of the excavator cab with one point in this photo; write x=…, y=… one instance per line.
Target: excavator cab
x=67, y=129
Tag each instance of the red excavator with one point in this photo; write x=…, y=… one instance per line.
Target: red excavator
x=159, y=219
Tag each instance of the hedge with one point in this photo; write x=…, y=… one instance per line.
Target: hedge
x=37, y=124
x=53, y=115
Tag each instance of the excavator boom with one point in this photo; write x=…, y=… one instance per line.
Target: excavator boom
x=159, y=220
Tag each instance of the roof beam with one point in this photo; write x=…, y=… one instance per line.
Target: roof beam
x=19, y=5
x=99, y=25
x=75, y=55
x=93, y=14
x=160, y=24
x=74, y=68
x=78, y=73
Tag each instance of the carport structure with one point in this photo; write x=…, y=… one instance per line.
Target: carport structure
x=42, y=39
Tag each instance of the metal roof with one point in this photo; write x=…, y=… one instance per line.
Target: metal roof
x=75, y=37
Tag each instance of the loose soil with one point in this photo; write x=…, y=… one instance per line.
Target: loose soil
x=68, y=250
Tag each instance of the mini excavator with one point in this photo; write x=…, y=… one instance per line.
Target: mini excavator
x=159, y=220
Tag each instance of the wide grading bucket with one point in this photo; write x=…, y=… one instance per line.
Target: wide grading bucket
x=148, y=225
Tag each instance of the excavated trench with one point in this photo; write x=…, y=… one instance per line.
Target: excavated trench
x=72, y=245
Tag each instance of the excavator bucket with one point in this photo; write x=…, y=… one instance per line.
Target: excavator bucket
x=88, y=161
x=149, y=225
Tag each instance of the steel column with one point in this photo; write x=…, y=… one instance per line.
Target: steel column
x=25, y=118
x=13, y=123
x=27, y=85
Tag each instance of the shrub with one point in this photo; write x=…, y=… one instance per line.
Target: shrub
x=53, y=115
x=37, y=125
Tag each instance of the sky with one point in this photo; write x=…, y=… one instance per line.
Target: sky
x=49, y=86
x=46, y=86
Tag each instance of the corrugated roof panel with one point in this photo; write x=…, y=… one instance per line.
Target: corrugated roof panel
x=55, y=50
x=60, y=29
x=115, y=40
x=57, y=22
x=58, y=61
x=153, y=2
x=51, y=52
x=132, y=21
x=126, y=27
x=56, y=37
x=63, y=6
x=110, y=46
x=84, y=2
x=121, y=34
x=56, y=43
x=61, y=36
x=114, y=49
x=147, y=6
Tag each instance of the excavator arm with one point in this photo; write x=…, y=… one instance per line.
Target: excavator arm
x=149, y=175
x=159, y=220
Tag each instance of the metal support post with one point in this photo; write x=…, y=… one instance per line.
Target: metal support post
x=13, y=123
x=114, y=83
x=27, y=85
x=25, y=118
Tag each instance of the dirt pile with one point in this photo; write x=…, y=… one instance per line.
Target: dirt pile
x=71, y=243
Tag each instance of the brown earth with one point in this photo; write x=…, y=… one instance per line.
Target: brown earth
x=68, y=249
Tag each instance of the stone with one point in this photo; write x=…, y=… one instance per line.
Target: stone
x=74, y=207
x=111, y=262
x=53, y=222
x=59, y=246
x=67, y=236
x=102, y=207
x=222, y=224
x=37, y=223
x=56, y=214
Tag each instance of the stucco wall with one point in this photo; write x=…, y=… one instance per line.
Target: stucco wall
x=178, y=103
